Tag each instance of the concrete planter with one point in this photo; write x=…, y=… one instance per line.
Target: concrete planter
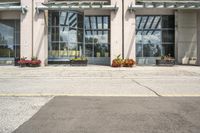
x=162, y=62
x=78, y=62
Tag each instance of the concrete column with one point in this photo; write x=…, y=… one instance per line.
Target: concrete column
x=26, y=31
x=198, y=38
x=187, y=34
x=116, y=31
x=176, y=36
x=129, y=32
x=40, y=30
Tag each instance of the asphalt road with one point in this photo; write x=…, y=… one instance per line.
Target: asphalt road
x=116, y=115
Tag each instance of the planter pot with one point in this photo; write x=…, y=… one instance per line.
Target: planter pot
x=22, y=65
x=78, y=62
x=127, y=65
x=116, y=65
x=161, y=62
x=34, y=65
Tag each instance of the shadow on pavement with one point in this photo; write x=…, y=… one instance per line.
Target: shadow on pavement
x=116, y=115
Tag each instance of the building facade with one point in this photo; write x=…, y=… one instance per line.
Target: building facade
x=56, y=31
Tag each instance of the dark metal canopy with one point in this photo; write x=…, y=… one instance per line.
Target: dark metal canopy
x=12, y=6
x=185, y=5
x=76, y=5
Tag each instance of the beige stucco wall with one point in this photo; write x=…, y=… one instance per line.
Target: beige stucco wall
x=154, y=12
x=26, y=31
x=129, y=31
x=34, y=33
x=186, y=34
x=198, y=38
x=96, y=12
x=116, y=30
x=40, y=30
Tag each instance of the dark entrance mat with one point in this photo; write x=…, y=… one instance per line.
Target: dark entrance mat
x=116, y=115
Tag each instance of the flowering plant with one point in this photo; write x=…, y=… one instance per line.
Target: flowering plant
x=117, y=62
x=23, y=61
x=35, y=62
x=128, y=63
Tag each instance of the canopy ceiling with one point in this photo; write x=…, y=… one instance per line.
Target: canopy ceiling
x=165, y=4
x=77, y=5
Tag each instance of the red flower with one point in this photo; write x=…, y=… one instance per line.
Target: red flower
x=23, y=62
x=35, y=62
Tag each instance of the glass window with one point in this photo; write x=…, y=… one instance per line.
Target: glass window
x=156, y=23
x=168, y=36
x=65, y=34
x=168, y=49
x=54, y=33
x=54, y=19
x=89, y=50
x=106, y=24
x=97, y=36
x=100, y=24
x=154, y=36
x=64, y=19
x=168, y=21
x=87, y=23
x=9, y=38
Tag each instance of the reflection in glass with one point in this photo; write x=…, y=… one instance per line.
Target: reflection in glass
x=66, y=34
x=97, y=36
x=168, y=21
x=150, y=36
x=168, y=36
x=9, y=38
x=168, y=49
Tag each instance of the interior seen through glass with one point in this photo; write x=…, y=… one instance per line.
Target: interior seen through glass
x=154, y=36
x=71, y=34
x=9, y=39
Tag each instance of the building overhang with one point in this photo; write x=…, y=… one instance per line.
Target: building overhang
x=76, y=5
x=12, y=6
x=179, y=5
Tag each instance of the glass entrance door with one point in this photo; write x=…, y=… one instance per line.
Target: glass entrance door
x=9, y=41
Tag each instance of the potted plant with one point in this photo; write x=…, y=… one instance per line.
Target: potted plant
x=128, y=63
x=23, y=62
x=78, y=61
x=34, y=62
x=165, y=61
x=117, y=62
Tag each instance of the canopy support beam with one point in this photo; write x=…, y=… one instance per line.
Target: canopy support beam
x=90, y=6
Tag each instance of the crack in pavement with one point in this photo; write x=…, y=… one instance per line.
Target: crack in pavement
x=147, y=88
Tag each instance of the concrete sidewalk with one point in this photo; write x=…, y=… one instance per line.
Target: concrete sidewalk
x=100, y=81
x=34, y=87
